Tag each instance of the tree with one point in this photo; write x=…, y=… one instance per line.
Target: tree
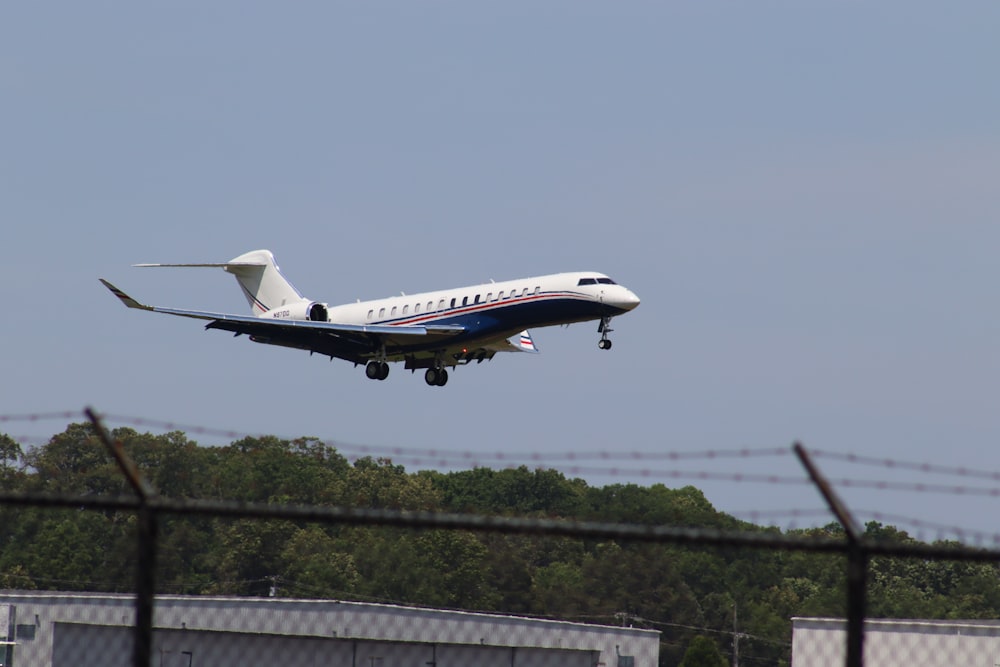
x=247, y=555
x=315, y=567
x=378, y=484
x=457, y=561
x=560, y=589
x=269, y=469
x=75, y=461
x=703, y=652
x=511, y=491
x=10, y=451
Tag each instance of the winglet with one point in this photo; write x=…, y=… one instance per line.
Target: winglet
x=125, y=298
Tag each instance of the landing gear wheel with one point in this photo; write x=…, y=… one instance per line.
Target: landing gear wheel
x=604, y=328
x=436, y=377
x=377, y=370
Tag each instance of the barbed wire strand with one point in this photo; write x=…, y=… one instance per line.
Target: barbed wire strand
x=615, y=461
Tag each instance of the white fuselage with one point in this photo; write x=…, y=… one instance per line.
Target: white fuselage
x=430, y=330
x=503, y=307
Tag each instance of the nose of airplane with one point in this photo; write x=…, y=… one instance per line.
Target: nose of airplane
x=631, y=300
x=625, y=299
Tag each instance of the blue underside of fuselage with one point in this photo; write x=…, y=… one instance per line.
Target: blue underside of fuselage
x=482, y=324
x=518, y=317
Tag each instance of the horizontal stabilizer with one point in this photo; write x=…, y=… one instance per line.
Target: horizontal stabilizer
x=221, y=265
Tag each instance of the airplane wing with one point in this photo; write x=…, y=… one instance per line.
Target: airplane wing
x=255, y=326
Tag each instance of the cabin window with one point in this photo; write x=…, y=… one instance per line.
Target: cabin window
x=537, y=290
x=381, y=313
x=477, y=299
x=430, y=305
x=587, y=281
x=500, y=296
x=393, y=312
x=453, y=303
x=416, y=308
x=606, y=281
x=371, y=314
x=406, y=309
x=489, y=297
x=524, y=292
x=465, y=301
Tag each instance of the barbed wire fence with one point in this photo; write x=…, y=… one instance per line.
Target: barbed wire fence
x=857, y=550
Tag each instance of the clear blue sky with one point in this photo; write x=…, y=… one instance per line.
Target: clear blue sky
x=806, y=196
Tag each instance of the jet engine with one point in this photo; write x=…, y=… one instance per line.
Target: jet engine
x=304, y=310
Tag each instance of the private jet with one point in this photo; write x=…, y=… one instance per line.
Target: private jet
x=431, y=331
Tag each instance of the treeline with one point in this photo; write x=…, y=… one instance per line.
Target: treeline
x=688, y=593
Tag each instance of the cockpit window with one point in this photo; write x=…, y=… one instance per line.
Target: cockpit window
x=606, y=281
x=587, y=281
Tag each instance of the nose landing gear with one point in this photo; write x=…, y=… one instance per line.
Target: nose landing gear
x=604, y=328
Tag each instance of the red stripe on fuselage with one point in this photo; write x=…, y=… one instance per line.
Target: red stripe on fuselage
x=491, y=305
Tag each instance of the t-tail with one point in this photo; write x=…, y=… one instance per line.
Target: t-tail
x=260, y=280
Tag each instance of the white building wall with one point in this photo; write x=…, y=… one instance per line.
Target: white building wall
x=67, y=628
x=821, y=642
x=111, y=647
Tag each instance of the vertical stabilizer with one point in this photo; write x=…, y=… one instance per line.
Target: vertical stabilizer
x=261, y=281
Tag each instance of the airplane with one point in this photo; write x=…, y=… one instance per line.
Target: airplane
x=431, y=331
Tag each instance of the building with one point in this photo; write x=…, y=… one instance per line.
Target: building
x=50, y=629
x=822, y=642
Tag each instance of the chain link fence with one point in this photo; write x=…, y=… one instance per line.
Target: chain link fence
x=138, y=628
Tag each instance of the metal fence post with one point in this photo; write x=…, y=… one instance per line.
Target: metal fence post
x=145, y=582
x=857, y=561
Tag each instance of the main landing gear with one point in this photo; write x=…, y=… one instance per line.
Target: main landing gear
x=377, y=370
x=436, y=377
x=604, y=328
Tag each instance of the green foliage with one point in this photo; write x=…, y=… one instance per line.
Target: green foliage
x=315, y=565
x=560, y=589
x=272, y=470
x=686, y=592
x=74, y=462
x=703, y=652
x=10, y=451
x=378, y=484
x=655, y=504
x=517, y=491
